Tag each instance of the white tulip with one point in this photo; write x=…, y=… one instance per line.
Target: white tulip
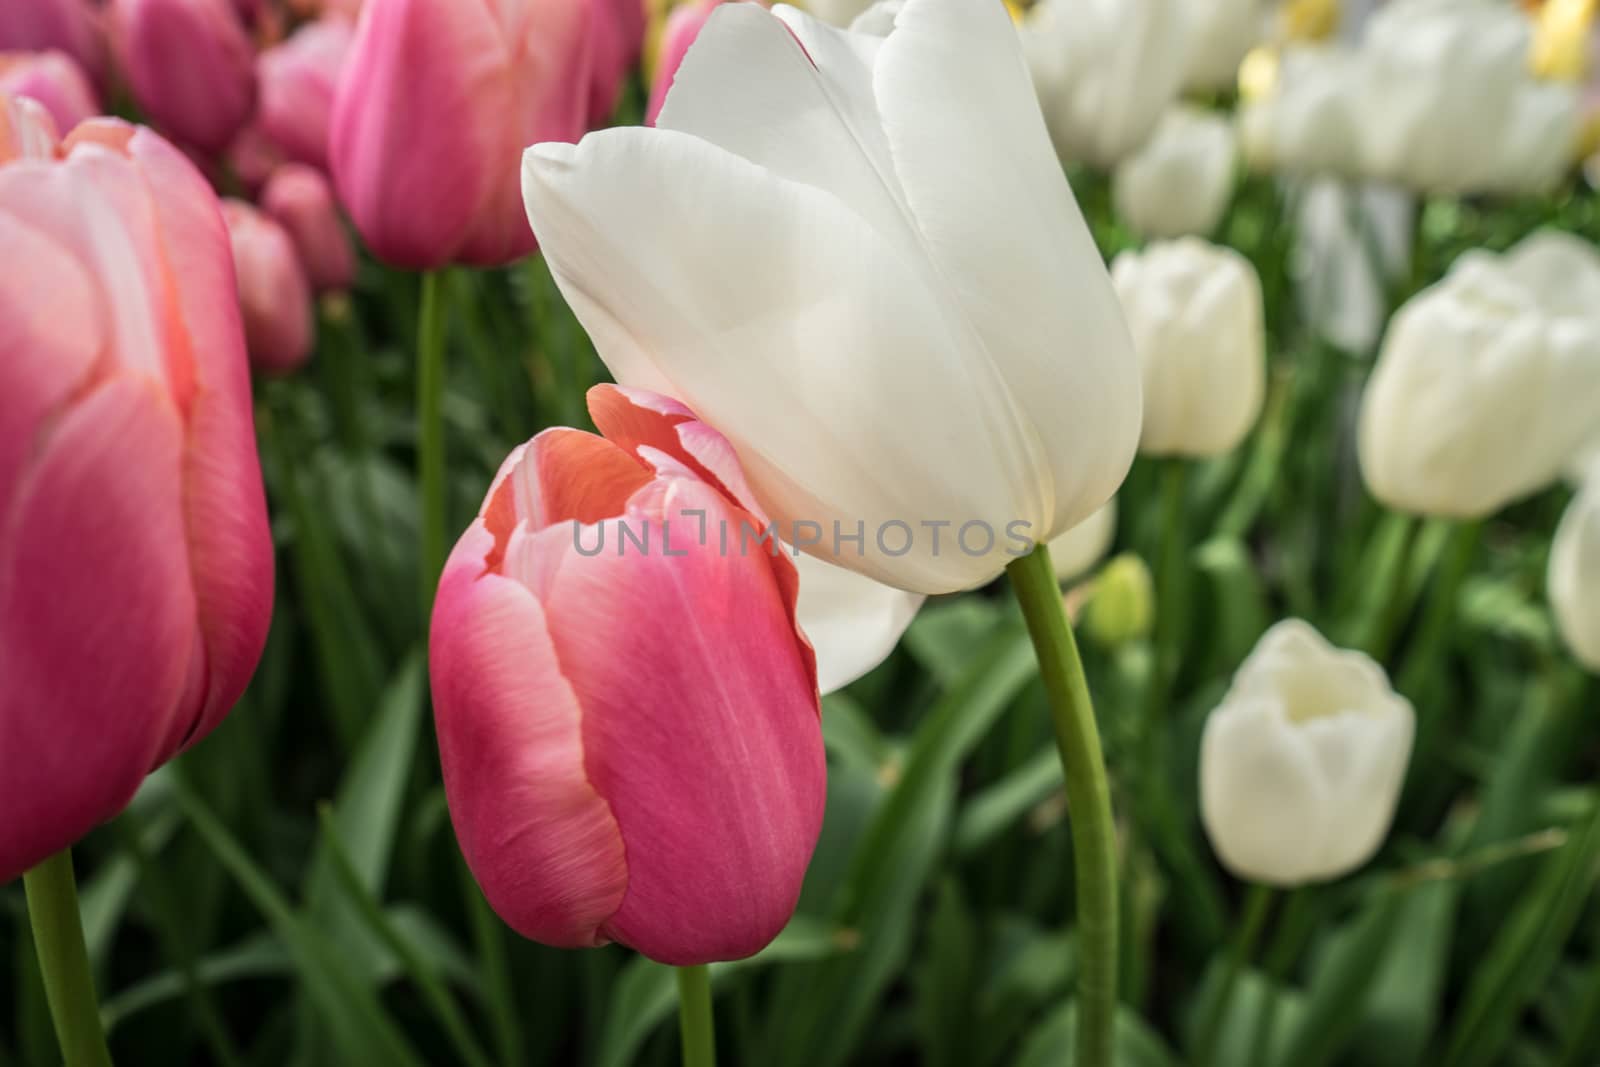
x=1301, y=764
x=1574, y=578
x=1341, y=286
x=1482, y=394
x=1560, y=270
x=1181, y=182
x=1106, y=71
x=1195, y=310
x=853, y=622
x=1222, y=32
x=857, y=258
x=837, y=12
x=1310, y=122
x=1077, y=551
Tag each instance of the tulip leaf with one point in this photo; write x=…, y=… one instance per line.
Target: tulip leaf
x=1052, y=1043
x=1342, y=986
x=990, y=813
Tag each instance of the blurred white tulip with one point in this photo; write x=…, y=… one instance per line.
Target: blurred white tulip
x=1106, y=71
x=1195, y=310
x=1351, y=241
x=1221, y=33
x=857, y=258
x=1075, y=552
x=1575, y=576
x=1484, y=391
x=1301, y=764
x=837, y=12
x=1309, y=120
x=1182, y=180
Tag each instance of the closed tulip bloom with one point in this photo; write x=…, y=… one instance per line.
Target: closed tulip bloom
x=1196, y=314
x=300, y=199
x=1301, y=764
x=136, y=564
x=630, y=737
x=1309, y=121
x=55, y=80
x=274, y=297
x=1481, y=395
x=436, y=102
x=296, y=81
x=1075, y=552
x=838, y=239
x=1181, y=182
x=616, y=39
x=1106, y=71
x=190, y=66
x=70, y=26
x=1221, y=33
x=1575, y=576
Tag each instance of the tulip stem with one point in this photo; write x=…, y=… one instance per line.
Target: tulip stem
x=1169, y=598
x=1088, y=801
x=430, y=436
x=1256, y=909
x=694, y=1017
x=52, y=894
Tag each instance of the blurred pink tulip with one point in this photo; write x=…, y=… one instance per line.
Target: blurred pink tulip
x=190, y=65
x=252, y=157
x=71, y=26
x=301, y=199
x=135, y=562
x=296, y=81
x=631, y=740
x=617, y=41
x=55, y=80
x=435, y=105
x=682, y=27
x=274, y=296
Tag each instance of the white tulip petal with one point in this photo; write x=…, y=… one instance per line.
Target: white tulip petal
x=1574, y=577
x=853, y=622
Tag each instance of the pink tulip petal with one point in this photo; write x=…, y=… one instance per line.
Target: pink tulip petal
x=541, y=841
x=26, y=129
x=96, y=618
x=571, y=475
x=700, y=727
x=55, y=80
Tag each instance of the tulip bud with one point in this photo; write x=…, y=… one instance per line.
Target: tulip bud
x=1122, y=605
x=661, y=783
x=296, y=81
x=273, y=294
x=70, y=26
x=1483, y=392
x=436, y=102
x=1301, y=764
x=53, y=79
x=683, y=25
x=1077, y=551
x=1195, y=310
x=1106, y=71
x=1308, y=121
x=1221, y=32
x=300, y=199
x=136, y=564
x=1181, y=182
x=1574, y=577
x=190, y=65
x=998, y=400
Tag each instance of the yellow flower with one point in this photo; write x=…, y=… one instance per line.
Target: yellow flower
x=1258, y=74
x=1560, y=49
x=1309, y=20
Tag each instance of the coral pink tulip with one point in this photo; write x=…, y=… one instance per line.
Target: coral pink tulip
x=295, y=81
x=434, y=107
x=619, y=30
x=631, y=742
x=71, y=26
x=190, y=65
x=300, y=198
x=55, y=80
x=135, y=559
x=274, y=296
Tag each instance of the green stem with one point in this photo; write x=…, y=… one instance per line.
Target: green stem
x=64, y=961
x=1256, y=909
x=694, y=1017
x=1440, y=614
x=1169, y=598
x=340, y=363
x=1088, y=801
x=430, y=436
x=1292, y=923
x=1391, y=579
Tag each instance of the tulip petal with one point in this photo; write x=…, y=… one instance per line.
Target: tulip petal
x=1011, y=241
x=757, y=338
x=568, y=475
x=96, y=618
x=852, y=622
x=540, y=840
x=26, y=129
x=717, y=780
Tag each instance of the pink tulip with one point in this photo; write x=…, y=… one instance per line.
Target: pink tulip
x=274, y=297
x=252, y=157
x=617, y=41
x=26, y=130
x=71, y=26
x=135, y=560
x=55, y=80
x=682, y=27
x=190, y=65
x=300, y=199
x=296, y=81
x=435, y=105
x=631, y=741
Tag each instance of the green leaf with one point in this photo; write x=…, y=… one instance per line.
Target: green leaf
x=1051, y=1044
